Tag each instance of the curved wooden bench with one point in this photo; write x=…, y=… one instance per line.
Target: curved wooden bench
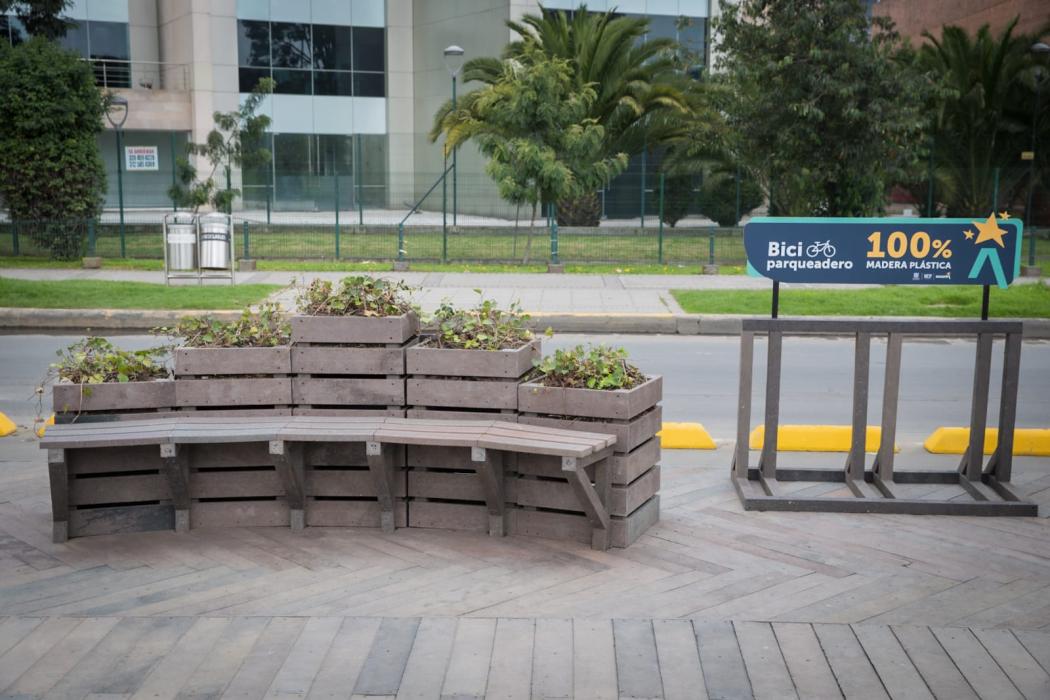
x=489, y=441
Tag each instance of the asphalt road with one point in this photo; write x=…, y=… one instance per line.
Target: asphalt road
x=701, y=377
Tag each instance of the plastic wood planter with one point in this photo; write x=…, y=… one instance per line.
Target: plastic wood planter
x=234, y=381
x=112, y=400
x=633, y=415
x=350, y=365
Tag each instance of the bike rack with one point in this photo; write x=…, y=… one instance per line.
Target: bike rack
x=986, y=487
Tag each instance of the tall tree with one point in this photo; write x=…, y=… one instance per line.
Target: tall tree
x=633, y=78
x=818, y=111
x=983, y=119
x=40, y=17
x=533, y=125
x=50, y=166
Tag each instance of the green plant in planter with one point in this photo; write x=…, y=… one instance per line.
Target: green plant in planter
x=595, y=367
x=483, y=327
x=96, y=361
x=264, y=328
x=357, y=295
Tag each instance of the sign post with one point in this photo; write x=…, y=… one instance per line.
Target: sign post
x=885, y=251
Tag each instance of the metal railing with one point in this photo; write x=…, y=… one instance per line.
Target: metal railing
x=140, y=75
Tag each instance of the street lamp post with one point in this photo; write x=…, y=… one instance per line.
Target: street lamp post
x=454, y=61
x=1037, y=48
x=116, y=115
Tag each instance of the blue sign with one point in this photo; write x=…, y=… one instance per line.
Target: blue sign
x=885, y=251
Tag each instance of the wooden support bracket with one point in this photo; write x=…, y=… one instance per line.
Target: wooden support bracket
x=176, y=468
x=288, y=461
x=597, y=511
x=381, y=465
x=58, y=473
x=489, y=467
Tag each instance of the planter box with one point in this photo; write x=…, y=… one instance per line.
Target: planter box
x=590, y=403
x=355, y=330
x=629, y=434
x=353, y=361
x=623, y=531
x=224, y=393
x=352, y=391
x=625, y=466
x=208, y=362
x=477, y=380
x=444, y=490
x=559, y=495
x=505, y=364
x=69, y=400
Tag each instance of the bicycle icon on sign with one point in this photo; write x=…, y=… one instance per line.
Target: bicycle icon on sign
x=825, y=249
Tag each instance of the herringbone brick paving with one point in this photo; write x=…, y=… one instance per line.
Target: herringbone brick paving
x=710, y=602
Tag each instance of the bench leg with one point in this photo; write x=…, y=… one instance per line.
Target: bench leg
x=597, y=511
x=176, y=466
x=58, y=474
x=489, y=467
x=381, y=465
x=288, y=461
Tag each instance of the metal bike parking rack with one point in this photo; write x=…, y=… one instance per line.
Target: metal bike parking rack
x=986, y=485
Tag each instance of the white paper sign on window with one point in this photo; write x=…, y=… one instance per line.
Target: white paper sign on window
x=140, y=158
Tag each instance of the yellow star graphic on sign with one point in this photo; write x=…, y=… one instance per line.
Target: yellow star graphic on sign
x=1004, y=215
x=989, y=231
x=968, y=233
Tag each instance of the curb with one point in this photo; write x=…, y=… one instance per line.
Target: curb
x=1028, y=442
x=640, y=323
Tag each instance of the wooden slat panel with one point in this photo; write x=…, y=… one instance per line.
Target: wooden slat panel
x=510, y=671
x=765, y=664
x=111, y=521
x=679, y=660
x=448, y=516
x=385, y=665
x=239, y=514
x=805, y=660
x=637, y=665
x=724, y=673
x=350, y=513
x=445, y=485
x=118, y=489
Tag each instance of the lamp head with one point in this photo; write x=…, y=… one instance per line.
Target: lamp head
x=1040, y=47
x=117, y=112
x=454, y=59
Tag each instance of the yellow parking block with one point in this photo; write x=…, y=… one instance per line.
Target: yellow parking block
x=50, y=421
x=7, y=426
x=685, y=436
x=1028, y=442
x=817, y=438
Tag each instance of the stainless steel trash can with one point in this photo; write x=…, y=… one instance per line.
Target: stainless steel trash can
x=215, y=242
x=182, y=243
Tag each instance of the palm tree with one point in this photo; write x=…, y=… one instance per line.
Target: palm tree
x=633, y=78
x=982, y=125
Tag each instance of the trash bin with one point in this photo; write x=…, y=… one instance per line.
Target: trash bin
x=215, y=242
x=182, y=243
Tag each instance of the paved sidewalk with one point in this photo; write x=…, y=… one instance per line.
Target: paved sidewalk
x=537, y=292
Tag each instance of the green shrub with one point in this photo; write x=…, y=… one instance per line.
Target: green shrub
x=264, y=328
x=96, y=361
x=718, y=198
x=678, y=194
x=50, y=115
x=595, y=367
x=357, y=295
x=483, y=327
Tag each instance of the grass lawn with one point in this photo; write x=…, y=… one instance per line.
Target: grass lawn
x=90, y=294
x=1022, y=300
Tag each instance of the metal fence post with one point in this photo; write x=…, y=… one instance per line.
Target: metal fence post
x=736, y=221
x=401, y=242
x=269, y=194
x=91, y=238
x=120, y=189
x=444, y=200
x=711, y=247
x=641, y=206
x=14, y=238
x=174, y=181
x=554, y=234
x=660, y=235
x=995, y=190
x=244, y=241
x=336, y=180
x=444, y=241
x=357, y=181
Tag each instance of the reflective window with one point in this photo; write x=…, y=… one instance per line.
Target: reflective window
x=333, y=83
x=369, y=85
x=76, y=38
x=290, y=45
x=332, y=47
x=369, y=49
x=250, y=77
x=292, y=82
x=108, y=40
x=253, y=43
